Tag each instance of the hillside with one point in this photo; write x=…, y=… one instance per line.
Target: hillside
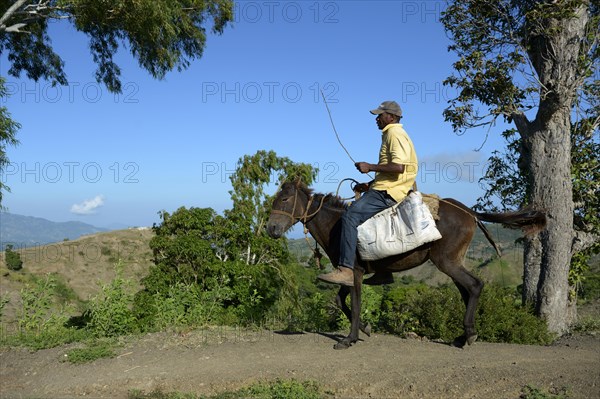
x=80, y=266
x=26, y=231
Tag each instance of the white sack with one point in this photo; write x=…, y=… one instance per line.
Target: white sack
x=398, y=229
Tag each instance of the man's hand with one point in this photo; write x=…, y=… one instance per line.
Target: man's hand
x=363, y=167
x=361, y=188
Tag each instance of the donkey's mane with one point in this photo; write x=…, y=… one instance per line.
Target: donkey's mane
x=330, y=199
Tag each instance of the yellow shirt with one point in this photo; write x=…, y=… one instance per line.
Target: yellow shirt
x=398, y=148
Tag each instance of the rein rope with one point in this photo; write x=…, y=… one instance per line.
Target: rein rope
x=352, y=187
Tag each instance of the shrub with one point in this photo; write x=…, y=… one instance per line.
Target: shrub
x=192, y=252
x=371, y=308
x=502, y=318
x=110, y=311
x=36, y=305
x=187, y=305
x=433, y=312
x=41, y=323
x=589, y=288
x=237, y=294
x=12, y=259
x=4, y=300
x=315, y=312
x=437, y=313
x=372, y=299
x=302, y=305
x=588, y=324
x=319, y=312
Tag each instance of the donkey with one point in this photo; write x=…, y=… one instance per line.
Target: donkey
x=321, y=216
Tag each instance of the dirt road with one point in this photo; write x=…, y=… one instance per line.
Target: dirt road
x=381, y=366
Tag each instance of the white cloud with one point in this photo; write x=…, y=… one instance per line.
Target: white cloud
x=88, y=206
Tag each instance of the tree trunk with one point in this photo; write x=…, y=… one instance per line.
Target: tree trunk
x=532, y=261
x=546, y=156
x=552, y=191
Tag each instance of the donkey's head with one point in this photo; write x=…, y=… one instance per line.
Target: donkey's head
x=289, y=206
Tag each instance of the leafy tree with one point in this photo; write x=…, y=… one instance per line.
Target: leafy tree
x=187, y=245
x=251, y=205
x=12, y=259
x=532, y=63
x=8, y=131
x=161, y=34
x=229, y=258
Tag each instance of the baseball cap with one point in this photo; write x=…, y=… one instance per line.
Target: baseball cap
x=391, y=107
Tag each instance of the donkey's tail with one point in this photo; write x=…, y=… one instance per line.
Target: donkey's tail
x=527, y=219
x=489, y=237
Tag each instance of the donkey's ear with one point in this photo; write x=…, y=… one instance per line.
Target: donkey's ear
x=298, y=181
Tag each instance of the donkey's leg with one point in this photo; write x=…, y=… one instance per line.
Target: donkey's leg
x=340, y=299
x=355, y=311
x=470, y=288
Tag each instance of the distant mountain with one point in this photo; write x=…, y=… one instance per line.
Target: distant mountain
x=26, y=231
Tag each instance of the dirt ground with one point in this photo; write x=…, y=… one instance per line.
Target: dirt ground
x=380, y=366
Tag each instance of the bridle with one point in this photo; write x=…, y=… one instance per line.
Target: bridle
x=304, y=218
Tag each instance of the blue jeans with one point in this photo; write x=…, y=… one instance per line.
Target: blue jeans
x=371, y=203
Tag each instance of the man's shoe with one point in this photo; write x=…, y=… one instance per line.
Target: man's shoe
x=341, y=275
x=380, y=278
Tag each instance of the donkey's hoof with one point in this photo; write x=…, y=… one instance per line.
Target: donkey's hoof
x=366, y=329
x=343, y=344
x=459, y=342
x=471, y=339
x=463, y=340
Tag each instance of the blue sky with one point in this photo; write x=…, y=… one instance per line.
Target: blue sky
x=91, y=156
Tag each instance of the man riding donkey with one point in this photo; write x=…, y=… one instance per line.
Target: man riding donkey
x=395, y=176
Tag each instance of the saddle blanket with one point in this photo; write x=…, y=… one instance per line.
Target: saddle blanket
x=398, y=229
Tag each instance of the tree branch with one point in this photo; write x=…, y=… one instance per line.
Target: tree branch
x=9, y=13
x=522, y=123
x=16, y=28
x=583, y=240
x=30, y=13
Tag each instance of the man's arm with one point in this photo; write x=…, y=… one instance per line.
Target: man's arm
x=391, y=167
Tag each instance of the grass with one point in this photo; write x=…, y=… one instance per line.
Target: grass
x=135, y=394
x=95, y=350
x=278, y=389
x=531, y=392
x=41, y=340
x=588, y=324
